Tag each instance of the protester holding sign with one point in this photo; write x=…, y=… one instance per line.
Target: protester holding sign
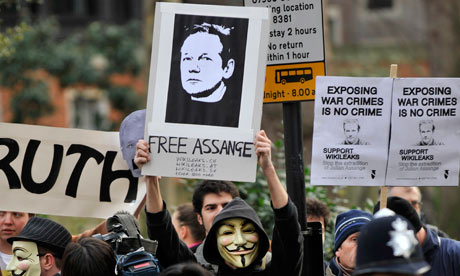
x=414, y=196
x=287, y=240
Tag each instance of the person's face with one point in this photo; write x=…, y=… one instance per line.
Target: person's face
x=212, y=205
x=11, y=223
x=351, y=132
x=426, y=132
x=347, y=251
x=128, y=141
x=25, y=261
x=238, y=242
x=410, y=194
x=201, y=63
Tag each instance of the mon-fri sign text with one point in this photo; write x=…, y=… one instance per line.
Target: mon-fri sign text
x=295, y=50
x=66, y=172
x=352, y=132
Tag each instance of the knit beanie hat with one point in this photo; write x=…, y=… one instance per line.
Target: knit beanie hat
x=403, y=208
x=348, y=223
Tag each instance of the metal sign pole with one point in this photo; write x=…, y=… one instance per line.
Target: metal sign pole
x=293, y=143
x=295, y=182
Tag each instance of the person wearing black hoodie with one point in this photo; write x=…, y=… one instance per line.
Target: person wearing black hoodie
x=287, y=244
x=239, y=255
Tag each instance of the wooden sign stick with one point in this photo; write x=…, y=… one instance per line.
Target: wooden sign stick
x=384, y=189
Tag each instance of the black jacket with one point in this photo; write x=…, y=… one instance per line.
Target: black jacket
x=287, y=243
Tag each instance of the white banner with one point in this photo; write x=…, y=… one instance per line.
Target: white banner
x=66, y=172
x=351, y=129
x=205, y=91
x=424, y=148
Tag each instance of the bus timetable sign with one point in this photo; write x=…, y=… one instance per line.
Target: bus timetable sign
x=295, y=51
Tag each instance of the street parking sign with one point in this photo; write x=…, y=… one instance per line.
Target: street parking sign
x=295, y=51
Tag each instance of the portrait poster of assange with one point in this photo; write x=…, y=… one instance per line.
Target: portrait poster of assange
x=351, y=131
x=425, y=132
x=205, y=97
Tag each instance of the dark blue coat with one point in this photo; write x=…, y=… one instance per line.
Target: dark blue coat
x=442, y=254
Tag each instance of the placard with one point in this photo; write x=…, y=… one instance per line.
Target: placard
x=351, y=131
x=425, y=129
x=65, y=172
x=205, y=91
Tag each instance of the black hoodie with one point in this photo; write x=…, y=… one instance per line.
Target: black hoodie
x=238, y=208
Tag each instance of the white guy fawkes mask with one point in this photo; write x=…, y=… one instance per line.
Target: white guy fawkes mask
x=25, y=261
x=238, y=242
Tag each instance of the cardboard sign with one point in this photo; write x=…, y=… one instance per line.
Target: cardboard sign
x=65, y=172
x=205, y=91
x=351, y=131
x=295, y=49
x=425, y=129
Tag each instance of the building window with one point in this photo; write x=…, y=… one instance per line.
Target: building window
x=89, y=109
x=379, y=4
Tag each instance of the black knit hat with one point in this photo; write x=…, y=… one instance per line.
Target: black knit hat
x=46, y=233
x=403, y=208
x=388, y=245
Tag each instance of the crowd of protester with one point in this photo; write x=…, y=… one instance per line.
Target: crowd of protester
x=220, y=234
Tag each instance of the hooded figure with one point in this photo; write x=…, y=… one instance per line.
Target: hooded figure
x=244, y=264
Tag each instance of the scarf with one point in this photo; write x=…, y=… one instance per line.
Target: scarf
x=346, y=271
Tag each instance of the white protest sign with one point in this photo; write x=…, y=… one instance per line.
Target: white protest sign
x=425, y=132
x=351, y=131
x=66, y=172
x=205, y=91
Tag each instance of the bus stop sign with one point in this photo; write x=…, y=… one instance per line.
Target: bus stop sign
x=295, y=51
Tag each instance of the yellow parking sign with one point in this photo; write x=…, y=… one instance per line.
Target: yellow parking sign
x=293, y=82
x=295, y=53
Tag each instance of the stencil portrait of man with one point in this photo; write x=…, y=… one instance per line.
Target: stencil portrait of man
x=426, y=130
x=206, y=70
x=351, y=128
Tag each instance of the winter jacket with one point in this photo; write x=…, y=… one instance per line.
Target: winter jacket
x=287, y=244
x=171, y=250
x=442, y=254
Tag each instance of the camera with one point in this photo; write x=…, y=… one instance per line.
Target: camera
x=135, y=255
